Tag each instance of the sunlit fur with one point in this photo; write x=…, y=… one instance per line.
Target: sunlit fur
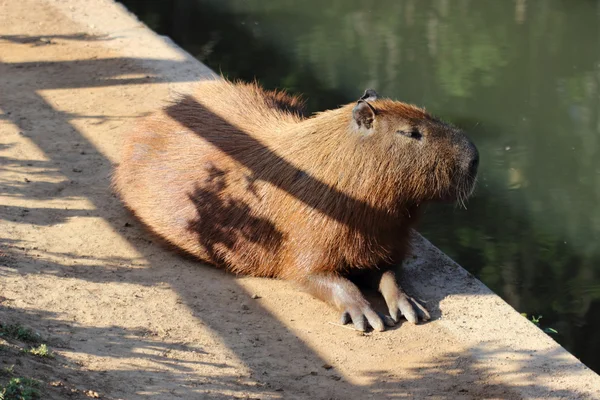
x=237, y=177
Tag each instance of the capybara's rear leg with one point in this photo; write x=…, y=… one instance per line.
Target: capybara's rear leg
x=346, y=297
x=396, y=299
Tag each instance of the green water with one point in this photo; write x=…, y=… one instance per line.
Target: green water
x=521, y=77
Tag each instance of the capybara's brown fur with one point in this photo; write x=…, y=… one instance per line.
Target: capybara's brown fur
x=234, y=175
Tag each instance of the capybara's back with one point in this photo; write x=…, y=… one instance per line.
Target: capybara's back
x=187, y=173
x=233, y=175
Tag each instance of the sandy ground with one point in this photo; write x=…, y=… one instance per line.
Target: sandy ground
x=128, y=319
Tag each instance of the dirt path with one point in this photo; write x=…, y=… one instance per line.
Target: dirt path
x=128, y=319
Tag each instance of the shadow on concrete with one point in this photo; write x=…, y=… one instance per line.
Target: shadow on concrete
x=43, y=40
x=169, y=371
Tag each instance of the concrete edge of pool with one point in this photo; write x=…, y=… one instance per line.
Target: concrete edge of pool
x=506, y=345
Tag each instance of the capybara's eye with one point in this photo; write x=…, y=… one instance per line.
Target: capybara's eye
x=413, y=133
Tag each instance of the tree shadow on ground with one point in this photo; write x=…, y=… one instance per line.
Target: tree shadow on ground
x=164, y=367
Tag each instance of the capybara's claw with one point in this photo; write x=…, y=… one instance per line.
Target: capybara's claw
x=358, y=317
x=387, y=320
x=411, y=309
x=406, y=309
x=421, y=310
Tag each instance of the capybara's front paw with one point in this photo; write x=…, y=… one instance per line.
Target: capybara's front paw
x=345, y=295
x=399, y=303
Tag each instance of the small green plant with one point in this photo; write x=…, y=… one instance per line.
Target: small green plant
x=536, y=322
x=7, y=370
x=20, y=389
x=41, y=351
x=19, y=332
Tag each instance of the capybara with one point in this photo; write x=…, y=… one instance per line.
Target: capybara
x=236, y=176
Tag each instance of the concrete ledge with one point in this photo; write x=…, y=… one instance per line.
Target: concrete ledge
x=77, y=267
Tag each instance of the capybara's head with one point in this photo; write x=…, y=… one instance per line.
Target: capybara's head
x=431, y=159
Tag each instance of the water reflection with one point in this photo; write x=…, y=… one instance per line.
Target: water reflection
x=522, y=77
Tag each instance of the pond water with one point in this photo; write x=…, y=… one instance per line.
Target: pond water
x=521, y=77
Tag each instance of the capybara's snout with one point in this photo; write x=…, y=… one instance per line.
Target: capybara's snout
x=470, y=158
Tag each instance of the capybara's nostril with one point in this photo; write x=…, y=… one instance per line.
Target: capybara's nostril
x=474, y=165
x=471, y=158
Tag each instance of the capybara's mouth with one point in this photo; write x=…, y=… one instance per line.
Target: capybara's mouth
x=462, y=189
x=465, y=188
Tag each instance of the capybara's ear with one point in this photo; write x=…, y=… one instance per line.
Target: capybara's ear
x=364, y=114
x=369, y=95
